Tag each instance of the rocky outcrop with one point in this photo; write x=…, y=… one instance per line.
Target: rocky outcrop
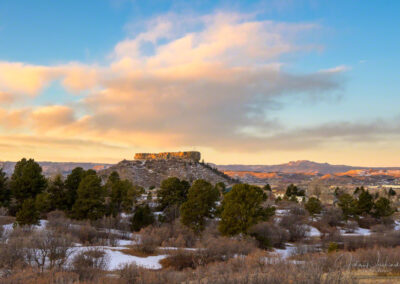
x=186, y=156
x=151, y=172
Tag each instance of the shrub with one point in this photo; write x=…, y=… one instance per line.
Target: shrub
x=295, y=226
x=180, y=260
x=333, y=247
x=88, y=264
x=332, y=216
x=269, y=235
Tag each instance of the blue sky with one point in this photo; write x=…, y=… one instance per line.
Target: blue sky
x=358, y=39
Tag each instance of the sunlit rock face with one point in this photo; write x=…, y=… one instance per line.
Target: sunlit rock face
x=186, y=156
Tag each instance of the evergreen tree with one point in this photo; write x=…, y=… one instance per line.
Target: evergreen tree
x=313, y=206
x=201, y=203
x=391, y=192
x=58, y=194
x=365, y=202
x=143, y=217
x=27, y=181
x=267, y=187
x=4, y=190
x=382, y=208
x=28, y=214
x=293, y=190
x=172, y=192
x=71, y=184
x=90, y=199
x=348, y=205
x=242, y=208
x=43, y=203
x=221, y=187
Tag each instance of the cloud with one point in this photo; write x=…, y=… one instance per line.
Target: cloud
x=337, y=69
x=6, y=98
x=208, y=81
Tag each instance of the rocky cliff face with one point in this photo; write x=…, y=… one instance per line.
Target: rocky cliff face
x=151, y=172
x=186, y=156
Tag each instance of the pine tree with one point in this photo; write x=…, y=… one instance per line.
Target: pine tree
x=57, y=194
x=90, y=199
x=382, y=208
x=267, y=187
x=313, y=206
x=172, y=192
x=348, y=205
x=28, y=214
x=365, y=202
x=27, y=181
x=4, y=190
x=201, y=203
x=242, y=208
x=143, y=217
x=71, y=184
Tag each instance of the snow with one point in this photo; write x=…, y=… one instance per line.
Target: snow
x=116, y=258
x=357, y=232
x=125, y=242
x=281, y=212
x=313, y=232
x=286, y=252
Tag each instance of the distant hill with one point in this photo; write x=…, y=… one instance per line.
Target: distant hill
x=53, y=168
x=302, y=166
x=152, y=172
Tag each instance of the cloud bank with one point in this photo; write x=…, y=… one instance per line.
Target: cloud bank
x=207, y=81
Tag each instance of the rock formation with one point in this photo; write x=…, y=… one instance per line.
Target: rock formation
x=186, y=156
x=151, y=169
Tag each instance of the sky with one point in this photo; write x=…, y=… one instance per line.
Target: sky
x=243, y=82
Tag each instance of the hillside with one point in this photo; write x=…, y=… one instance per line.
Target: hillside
x=152, y=172
x=303, y=166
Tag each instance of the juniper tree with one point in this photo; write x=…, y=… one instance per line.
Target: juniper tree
x=242, y=208
x=28, y=214
x=201, y=203
x=4, y=189
x=27, y=181
x=90, y=199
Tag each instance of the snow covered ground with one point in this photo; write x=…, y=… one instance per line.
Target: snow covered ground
x=116, y=258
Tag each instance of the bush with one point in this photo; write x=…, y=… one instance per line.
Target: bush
x=171, y=235
x=296, y=227
x=180, y=260
x=269, y=235
x=333, y=247
x=89, y=264
x=332, y=216
x=367, y=221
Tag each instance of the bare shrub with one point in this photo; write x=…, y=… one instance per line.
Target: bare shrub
x=367, y=221
x=269, y=234
x=223, y=248
x=57, y=221
x=180, y=259
x=297, y=210
x=350, y=227
x=90, y=263
x=171, y=235
x=4, y=220
x=86, y=234
x=332, y=216
x=113, y=223
x=48, y=249
x=380, y=228
x=3, y=211
x=12, y=256
x=295, y=225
